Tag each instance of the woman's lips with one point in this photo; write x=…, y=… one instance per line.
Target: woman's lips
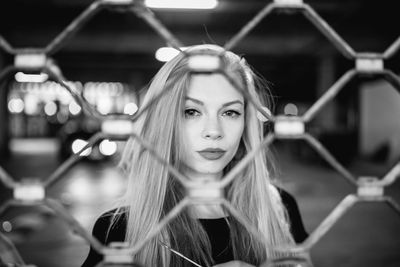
x=212, y=154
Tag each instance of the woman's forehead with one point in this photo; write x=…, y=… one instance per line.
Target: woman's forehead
x=212, y=88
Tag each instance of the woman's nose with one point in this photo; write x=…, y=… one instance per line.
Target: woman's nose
x=212, y=129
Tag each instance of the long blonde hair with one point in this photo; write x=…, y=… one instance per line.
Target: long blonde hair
x=152, y=191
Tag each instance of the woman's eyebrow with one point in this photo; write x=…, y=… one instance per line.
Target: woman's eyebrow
x=195, y=100
x=224, y=105
x=233, y=102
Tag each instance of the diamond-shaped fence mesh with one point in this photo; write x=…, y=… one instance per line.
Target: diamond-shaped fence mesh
x=33, y=192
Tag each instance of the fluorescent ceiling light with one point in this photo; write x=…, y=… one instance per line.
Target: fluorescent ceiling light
x=33, y=78
x=165, y=54
x=183, y=4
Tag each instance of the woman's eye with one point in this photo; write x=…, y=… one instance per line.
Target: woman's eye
x=189, y=113
x=232, y=113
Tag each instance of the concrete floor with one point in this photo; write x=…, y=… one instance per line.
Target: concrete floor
x=367, y=235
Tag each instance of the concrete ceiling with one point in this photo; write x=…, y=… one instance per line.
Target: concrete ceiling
x=365, y=25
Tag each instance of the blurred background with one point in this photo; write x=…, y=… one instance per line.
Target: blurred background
x=115, y=54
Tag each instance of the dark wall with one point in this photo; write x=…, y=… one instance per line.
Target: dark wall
x=3, y=114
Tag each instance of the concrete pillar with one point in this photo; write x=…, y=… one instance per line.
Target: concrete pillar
x=326, y=119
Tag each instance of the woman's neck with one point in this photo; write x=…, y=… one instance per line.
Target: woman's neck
x=205, y=211
x=203, y=177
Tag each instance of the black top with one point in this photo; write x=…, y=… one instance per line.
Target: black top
x=217, y=230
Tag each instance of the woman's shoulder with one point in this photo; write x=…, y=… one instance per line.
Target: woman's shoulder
x=279, y=194
x=110, y=226
x=296, y=222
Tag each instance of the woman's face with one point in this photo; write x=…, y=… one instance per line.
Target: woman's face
x=213, y=125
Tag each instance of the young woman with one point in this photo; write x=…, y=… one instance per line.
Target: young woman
x=202, y=126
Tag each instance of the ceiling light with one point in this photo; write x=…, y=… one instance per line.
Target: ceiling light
x=182, y=4
x=77, y=146
x=74, y=108
x=107, y=147
x=16, y=105
x=130, y=108
x=291, y=109
x=34, y=78
x=50, y=108
x=165, y=54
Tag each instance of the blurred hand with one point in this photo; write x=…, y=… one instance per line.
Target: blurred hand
x=234, y=264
